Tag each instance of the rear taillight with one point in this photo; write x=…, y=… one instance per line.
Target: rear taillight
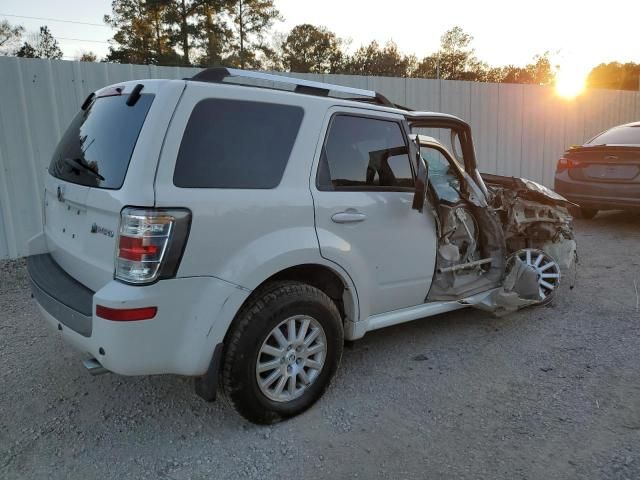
x=150, y=244
x=566, y=163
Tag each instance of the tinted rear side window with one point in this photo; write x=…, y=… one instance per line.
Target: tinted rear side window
x=96, y=148
x=236, y=144
x=364, y=153
x=618, y=136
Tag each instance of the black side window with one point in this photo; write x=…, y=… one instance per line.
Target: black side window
x=364, y=153
x=236, y=144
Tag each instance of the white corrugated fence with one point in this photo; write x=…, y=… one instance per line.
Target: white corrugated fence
x=519, y=130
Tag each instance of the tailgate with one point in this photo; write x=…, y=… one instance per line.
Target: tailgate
x=106, y=160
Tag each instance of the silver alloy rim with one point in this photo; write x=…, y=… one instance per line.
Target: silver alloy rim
x=291, y=358
x=545, y=267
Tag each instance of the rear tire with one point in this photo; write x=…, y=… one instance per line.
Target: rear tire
x=584, y=213
x=588, y=213
x=269, y=373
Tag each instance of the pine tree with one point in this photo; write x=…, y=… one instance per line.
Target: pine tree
x=251, y=19
x=142, y=34
x=43, y=45
x=10, y=36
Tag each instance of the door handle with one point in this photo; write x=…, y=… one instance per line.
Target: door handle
x=350, y=215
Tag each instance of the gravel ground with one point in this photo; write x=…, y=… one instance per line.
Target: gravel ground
x=548, y=392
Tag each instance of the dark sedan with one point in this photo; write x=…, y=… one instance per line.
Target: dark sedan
x=604, y=173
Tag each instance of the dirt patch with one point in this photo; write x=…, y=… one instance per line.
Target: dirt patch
x=549, y=392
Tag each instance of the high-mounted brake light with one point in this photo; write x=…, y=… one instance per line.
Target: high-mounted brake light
x=150, y=244
x=565, y=163
x=111, y=91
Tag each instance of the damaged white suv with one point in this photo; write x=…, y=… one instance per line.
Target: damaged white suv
x=237, y=227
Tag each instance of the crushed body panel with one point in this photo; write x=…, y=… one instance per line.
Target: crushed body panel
x=514, y=240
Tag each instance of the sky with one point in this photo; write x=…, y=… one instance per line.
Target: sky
x=579, y=34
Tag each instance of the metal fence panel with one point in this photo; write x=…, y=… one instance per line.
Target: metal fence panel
x=484, y=122
x=395, y=89
x=534, y=112
x=510, y=120
x=19, y=145
x=456, y=99
x=4, y=248
x=518, y=129
x=423, y=94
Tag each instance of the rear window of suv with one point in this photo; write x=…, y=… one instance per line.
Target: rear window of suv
x=96, y=148
x=236, y=144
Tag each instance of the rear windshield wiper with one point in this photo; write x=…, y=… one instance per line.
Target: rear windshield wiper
x=76, y=163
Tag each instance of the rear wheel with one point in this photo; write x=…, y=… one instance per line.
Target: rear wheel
x=282, y=352
x=585, y=213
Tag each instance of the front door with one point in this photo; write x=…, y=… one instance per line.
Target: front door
x=363, y=193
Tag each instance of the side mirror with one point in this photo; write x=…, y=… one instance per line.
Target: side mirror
x=422, y=179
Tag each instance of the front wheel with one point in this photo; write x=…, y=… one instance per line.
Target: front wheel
x=282, y=351
x=546, y=269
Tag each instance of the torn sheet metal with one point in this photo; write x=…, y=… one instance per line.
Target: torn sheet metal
x=507, y=237
x=519, y=290
x=536, y=217
x=527, y=189
x=564, y=252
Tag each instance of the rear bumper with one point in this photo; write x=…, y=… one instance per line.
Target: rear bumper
x=193, y=317
x=60, y=295
x=603, y=203
x=598, y=195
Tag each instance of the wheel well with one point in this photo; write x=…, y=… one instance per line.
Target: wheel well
x=323, y=278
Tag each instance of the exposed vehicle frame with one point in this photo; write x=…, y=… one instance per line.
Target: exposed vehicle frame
x=520, y=220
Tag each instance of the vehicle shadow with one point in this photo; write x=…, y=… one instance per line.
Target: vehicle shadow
x=170, y=395
x=614, y=218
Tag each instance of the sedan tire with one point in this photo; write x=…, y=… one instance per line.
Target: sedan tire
x=584, y=213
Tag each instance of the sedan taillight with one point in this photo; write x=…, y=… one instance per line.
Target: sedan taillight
x=150, y=244
x=565, y=163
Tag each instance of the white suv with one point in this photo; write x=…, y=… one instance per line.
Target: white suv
x=237, y=227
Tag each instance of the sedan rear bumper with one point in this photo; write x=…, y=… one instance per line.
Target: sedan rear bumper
x=599, y=195
x=602, y=202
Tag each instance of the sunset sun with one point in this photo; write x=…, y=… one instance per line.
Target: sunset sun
x=570, y=82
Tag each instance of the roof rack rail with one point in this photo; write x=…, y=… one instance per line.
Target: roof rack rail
x=218, y=75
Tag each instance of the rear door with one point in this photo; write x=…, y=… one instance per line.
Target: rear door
x=363, y=195
x=105, y=160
